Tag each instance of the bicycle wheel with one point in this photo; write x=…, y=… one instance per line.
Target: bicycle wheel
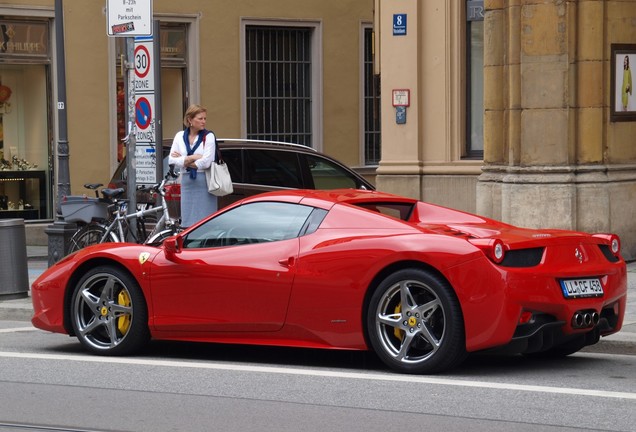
x=88, y=235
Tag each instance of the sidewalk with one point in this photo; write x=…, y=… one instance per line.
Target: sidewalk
x=37, y=261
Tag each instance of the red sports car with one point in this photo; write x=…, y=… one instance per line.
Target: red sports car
x=421, y=285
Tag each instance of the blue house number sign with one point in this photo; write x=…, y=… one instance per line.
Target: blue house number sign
x=399, y=24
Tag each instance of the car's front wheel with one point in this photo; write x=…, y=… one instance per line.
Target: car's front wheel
x=415, y=323
x=109, y=313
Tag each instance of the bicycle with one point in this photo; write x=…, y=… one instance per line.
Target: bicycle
x=106, y=219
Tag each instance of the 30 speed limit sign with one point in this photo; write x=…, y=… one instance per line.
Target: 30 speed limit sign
x=142, y=61
x=144, y=65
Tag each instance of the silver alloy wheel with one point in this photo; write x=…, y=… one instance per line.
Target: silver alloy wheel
x=102, y=311
x=410, y=321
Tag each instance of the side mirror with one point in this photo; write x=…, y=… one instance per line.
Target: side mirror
x=172, y=246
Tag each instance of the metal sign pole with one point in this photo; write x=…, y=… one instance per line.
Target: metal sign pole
x=130, y=140
x=158, y=116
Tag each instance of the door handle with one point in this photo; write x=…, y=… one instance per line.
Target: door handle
x=287, y=262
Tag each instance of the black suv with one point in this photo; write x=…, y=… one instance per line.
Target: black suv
x=261, y=166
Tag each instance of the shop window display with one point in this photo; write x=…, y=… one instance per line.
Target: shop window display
x=23, y=150
x=24, y=119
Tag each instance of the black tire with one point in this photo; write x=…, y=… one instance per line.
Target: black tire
x=415, y=323
x=88, y=235
x=109, y=313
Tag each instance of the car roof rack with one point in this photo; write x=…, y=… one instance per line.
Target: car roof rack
x=278, y=143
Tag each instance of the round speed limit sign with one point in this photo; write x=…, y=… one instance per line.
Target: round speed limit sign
x=142, y=61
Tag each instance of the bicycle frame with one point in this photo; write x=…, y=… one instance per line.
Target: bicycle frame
x=118, y=227
x=112, y=224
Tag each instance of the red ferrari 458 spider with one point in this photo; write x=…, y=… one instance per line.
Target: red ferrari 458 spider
x=420, y=285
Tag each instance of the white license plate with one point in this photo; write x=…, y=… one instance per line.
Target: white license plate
x=576, y=288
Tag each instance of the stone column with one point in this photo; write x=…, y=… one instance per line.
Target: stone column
x=528, y=174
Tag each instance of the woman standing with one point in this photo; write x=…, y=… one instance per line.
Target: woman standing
x=193, y=150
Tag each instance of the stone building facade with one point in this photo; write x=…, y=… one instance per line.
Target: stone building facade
x=558, y=150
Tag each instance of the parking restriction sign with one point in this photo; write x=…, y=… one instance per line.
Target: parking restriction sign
x=143, y=113
x=145, y=117
x=129, y=18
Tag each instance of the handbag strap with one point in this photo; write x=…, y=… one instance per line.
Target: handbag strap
x=218, y=158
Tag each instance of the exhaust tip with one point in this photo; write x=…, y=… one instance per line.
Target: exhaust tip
x=585, y=319
x=577, y=320
x=595, y=318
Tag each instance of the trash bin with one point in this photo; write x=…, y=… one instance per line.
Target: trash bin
x=14, y=273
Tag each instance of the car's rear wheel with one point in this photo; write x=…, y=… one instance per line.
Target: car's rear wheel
x=415, y=323
x=109, y=313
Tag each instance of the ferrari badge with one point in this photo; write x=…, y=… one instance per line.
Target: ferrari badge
x=143, y=257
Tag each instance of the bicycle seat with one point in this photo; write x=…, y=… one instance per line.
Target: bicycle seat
x=112, y=193
x=93, y=185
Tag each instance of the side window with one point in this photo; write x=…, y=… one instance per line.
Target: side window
x=259, y=222
x=475, y=79
x=327, y=175
x=233, y=160
x=273, y=168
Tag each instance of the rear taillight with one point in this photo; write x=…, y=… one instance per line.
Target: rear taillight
x=613, y=241
x=495, y=249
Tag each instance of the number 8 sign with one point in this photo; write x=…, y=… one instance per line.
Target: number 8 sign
x=399, y=24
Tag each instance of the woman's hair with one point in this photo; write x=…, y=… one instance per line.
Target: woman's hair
x=192, y=111
x=626, y=63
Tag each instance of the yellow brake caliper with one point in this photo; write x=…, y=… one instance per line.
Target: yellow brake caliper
x=396, y=331
x=123, y=322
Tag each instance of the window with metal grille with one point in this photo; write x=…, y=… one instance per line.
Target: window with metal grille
x=278, y=83
x=372, y=135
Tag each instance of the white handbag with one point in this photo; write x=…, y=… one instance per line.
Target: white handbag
x=218, y=177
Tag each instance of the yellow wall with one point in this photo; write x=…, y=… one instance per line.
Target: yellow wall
x=220, y=52
x=90, y=70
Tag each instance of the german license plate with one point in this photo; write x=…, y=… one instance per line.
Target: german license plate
x=577, y=288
